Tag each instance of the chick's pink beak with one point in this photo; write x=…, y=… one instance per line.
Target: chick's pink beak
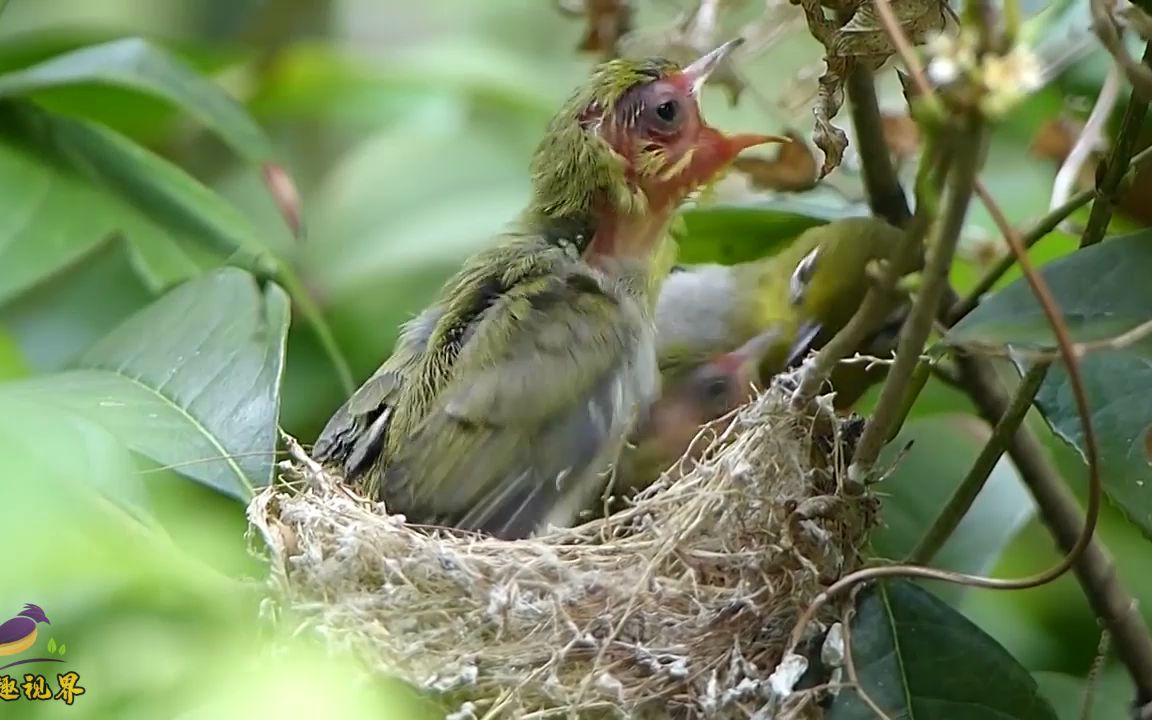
x=715, y=150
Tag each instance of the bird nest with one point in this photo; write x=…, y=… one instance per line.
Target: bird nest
x=680, y=605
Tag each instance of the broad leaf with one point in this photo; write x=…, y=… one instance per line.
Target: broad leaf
x=12, y=363
x=448, y=206
x=1111, y=698
x=54, y=454
x=942, y=451
x=137, y=65
x=1102, y=291
x=917, y=658
x=63, y=316
x=735, y=234
x=191, y=382
x=70, y=184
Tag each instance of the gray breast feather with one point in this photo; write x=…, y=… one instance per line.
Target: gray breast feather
x=694, y=310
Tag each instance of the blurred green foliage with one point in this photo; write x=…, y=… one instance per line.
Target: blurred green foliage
x=408, y=128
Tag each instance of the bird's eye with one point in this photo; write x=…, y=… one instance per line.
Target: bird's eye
x=666, y=116
x=717, y=387
x=801, y=277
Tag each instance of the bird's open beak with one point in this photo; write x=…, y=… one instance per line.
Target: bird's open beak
x=753, y=352
x=698, y=72
x=802, y=343
x=715, y=149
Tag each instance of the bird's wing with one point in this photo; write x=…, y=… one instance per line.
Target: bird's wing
x=541, y=399
x=15, y=629
x=354, y=435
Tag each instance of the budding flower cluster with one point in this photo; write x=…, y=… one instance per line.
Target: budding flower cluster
x=996, y=83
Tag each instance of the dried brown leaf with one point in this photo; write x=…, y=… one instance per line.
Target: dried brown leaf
x=287, y=198
x=1134, y=197
x=607, y=21
x=1137, y=19
x=860, y=38
x=1054, y=139
x=829, y=99
x=901, y=135
x=864, y=34
x=792, y=170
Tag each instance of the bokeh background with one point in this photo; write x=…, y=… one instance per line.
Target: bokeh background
x=408, y=128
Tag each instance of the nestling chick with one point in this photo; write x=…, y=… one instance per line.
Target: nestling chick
x=690, y=400
x=508, y=398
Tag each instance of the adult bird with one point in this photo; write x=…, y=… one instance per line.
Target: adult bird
x=806, y=292
x=506, y=401
x=19, y=633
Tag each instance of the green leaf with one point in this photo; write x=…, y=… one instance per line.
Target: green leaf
x=1112, y=697
x=62, y=649
x=191, y=382
x=137, y=65
x=734, y=234
x=917, y=658
x=1102, y=291
x=51, y=646
x=448, y=206
x=12, y=363
x=62, y=317
x=65, y=462
x=71, y=184
x=943, y=449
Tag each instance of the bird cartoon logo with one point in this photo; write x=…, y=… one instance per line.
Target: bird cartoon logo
x=19, y=634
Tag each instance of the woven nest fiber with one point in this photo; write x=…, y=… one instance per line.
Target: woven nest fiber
x=679, y=605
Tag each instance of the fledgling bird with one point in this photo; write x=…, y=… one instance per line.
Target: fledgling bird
x=689, y=400
x=807, y=292
x=506, y=401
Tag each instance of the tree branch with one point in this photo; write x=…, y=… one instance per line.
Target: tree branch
x=1114, y=170
x=1094, y=569
x=1035, y=234
x=885, y=195
x=918, y=325
x=965, y=494
x=1060, y=512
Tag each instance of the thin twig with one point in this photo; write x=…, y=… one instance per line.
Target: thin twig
x=1093, y=678
x=850, y=670
x=1035, y=234
x=1113, y=605
x=1038, y=232
x=286, y=275
x=1058, y=508
x=1139, y=74
x=877, y=306
x=1108, y=183
x=916, y=382
x=1084, y=539
x=881, y=185
x=905, y=50
x=887, y=200
x=963, y=497
x=1120, y=341
x=918, y=325
x=1088, y=141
